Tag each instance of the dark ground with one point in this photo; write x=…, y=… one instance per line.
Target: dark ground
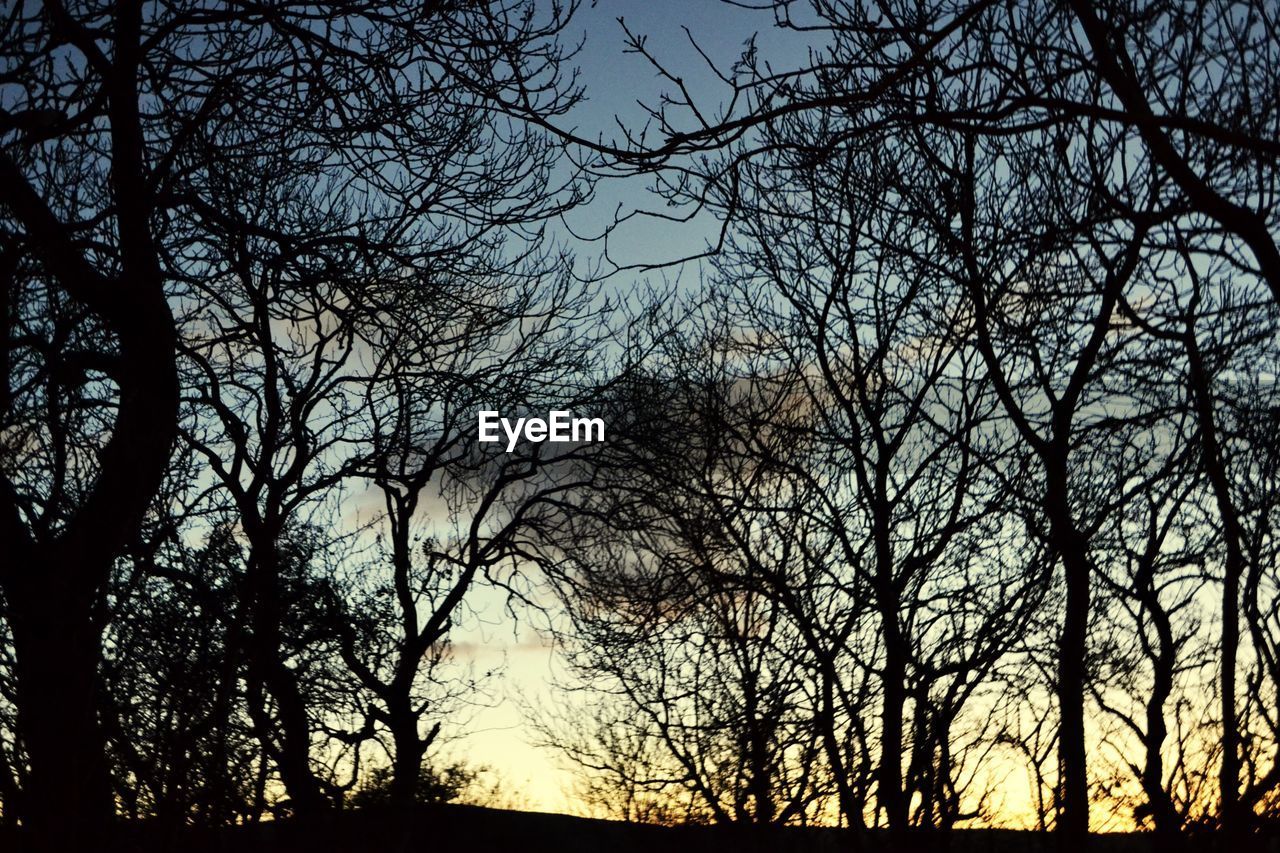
x=471, y=829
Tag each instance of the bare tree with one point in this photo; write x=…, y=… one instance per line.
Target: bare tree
x=1048, y=157
x=1224, y=337
x=1020, y=215
x=117, y=121
x=882, y=351
x=672, y=626
x=510, y=337
x=1150, y=584
x=183, y=748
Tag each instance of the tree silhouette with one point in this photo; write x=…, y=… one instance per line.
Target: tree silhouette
x=958, y=459
x=1050, y=155
x=125, y=126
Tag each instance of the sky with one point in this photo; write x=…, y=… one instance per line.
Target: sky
x=616, y=81
x=499, y=736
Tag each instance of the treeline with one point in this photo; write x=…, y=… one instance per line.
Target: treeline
x=263, y=264
x=979, y=479
x=949, y=498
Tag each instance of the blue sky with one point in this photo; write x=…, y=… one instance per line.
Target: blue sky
x=614, y=82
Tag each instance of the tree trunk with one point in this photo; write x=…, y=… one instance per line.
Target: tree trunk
x=294, y=756
x=292, y=749
x=1216, y=469
x=1229, y=772
x=67, y=802
x=1073, y=820
x=53, y=587
x=850, y=804
x=889, y=775
x=760, y=783
x=406, y=767
x=1168, y=823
